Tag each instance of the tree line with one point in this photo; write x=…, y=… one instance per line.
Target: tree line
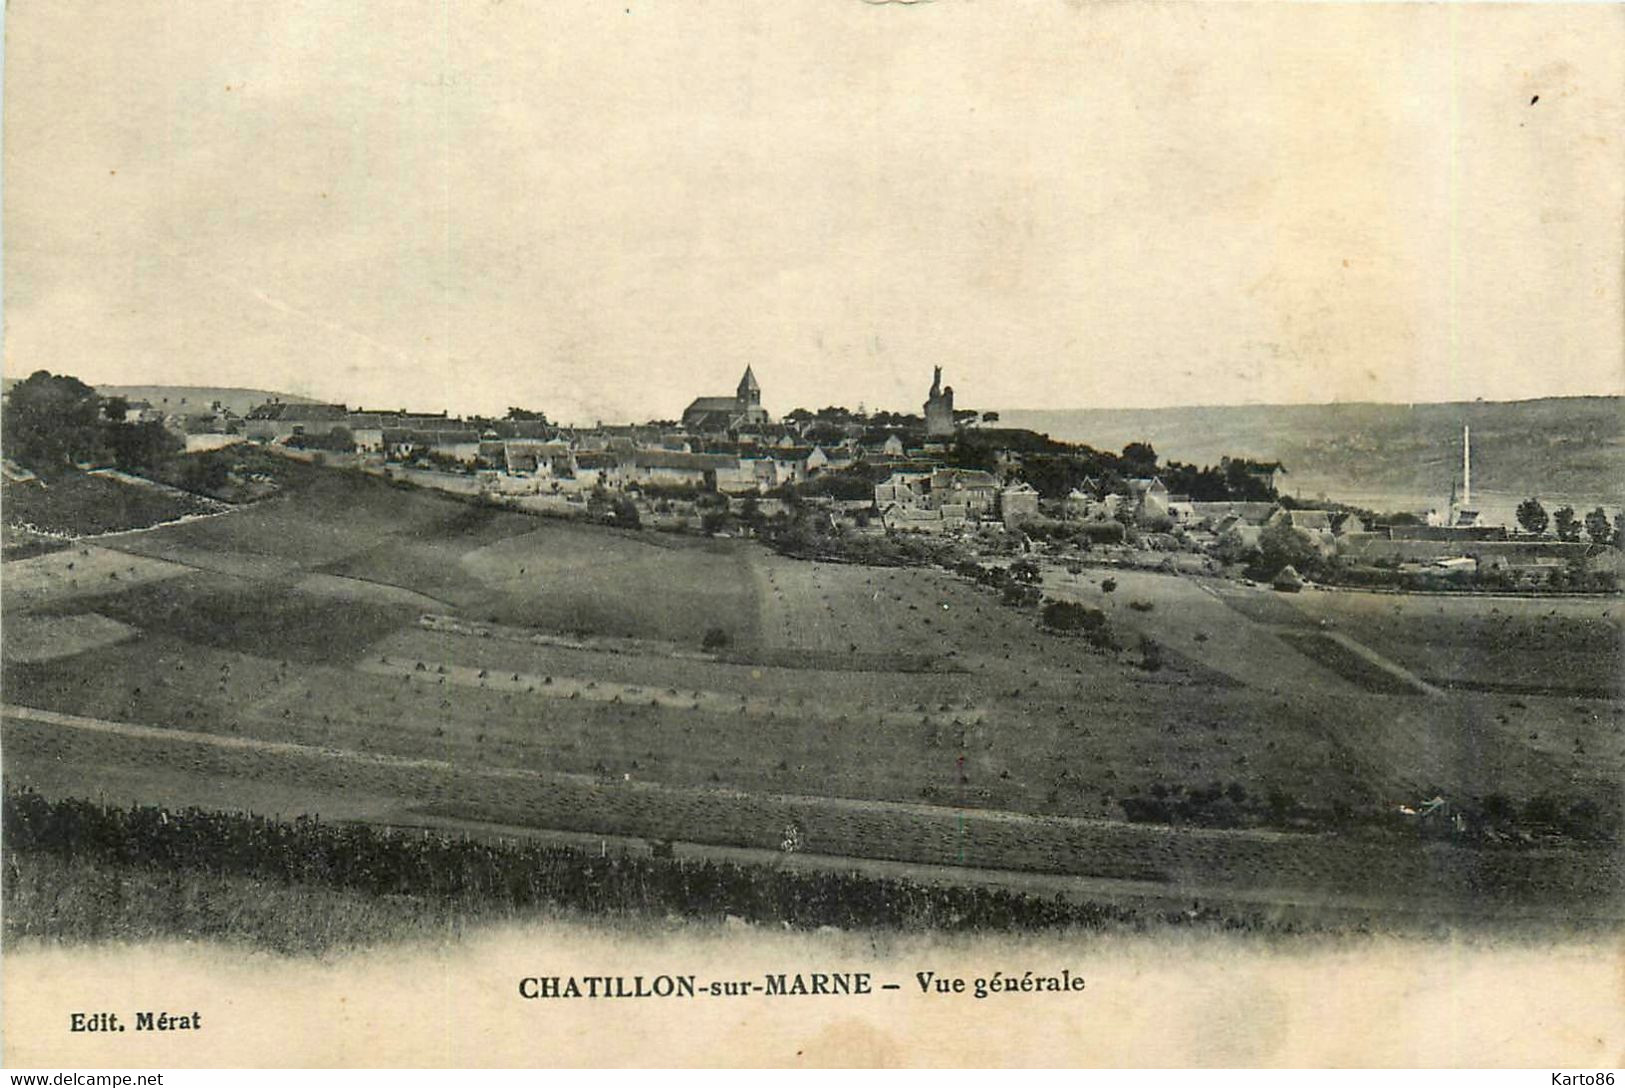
x=1567, y=524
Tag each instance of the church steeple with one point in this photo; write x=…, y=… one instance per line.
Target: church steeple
x=749, y=393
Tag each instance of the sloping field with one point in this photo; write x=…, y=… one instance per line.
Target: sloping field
x=327, y=519
x=270, y=619
x=1396, y=876
x=32, y=639
x=78, y=573
x=1190, y=616
x=1507, y=644
x=301, y=621
x=566, y=577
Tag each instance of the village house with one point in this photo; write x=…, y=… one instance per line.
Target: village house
x=1348, y=523
x=1150, y=499
x=1018, y=503
x=1077, y=504
x=277, y=421
x=1215, y=513
x=976, y=491
x=1313, y=521
x=797, y=463
x=903, y=488
x=664, y=467
x=892, y=446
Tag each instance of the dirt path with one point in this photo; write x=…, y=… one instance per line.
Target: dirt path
x=1393, y=668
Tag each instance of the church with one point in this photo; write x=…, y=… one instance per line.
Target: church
x=744, y=408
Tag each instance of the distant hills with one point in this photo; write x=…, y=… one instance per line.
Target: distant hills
x=1570, y=449
x=177, y=398
x=190, y=397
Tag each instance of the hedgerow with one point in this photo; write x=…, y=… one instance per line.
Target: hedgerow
x=514, y=875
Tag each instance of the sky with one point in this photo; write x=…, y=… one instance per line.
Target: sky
x=603, y=210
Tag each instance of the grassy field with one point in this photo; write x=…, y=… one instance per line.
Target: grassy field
x=1509, y=644
x=87, y=505
x=1403, y=875
x=559, y=683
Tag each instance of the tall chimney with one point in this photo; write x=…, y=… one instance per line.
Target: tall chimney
x=1466, y=467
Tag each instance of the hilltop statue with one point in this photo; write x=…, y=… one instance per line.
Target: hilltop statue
x=939, y=408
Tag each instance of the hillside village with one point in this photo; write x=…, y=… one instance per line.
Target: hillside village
x=922, y=639
x=727, y=466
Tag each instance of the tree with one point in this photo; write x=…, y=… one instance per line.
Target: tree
x=142, y=445
x=1568, y=525
x=1532, y=516
x=116, y=409
x=524, y=415
x=52, y=420
x=990, y=417
x=1597, y=527
x=1619, y=529
x=626, y=512
x=1140, y=457
x=1231, y=547
x=1281, y=545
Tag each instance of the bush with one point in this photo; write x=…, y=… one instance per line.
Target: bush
x=1026, y=570
x=716, y=639
x=1101, y=532
x=204, y=473
x=1070, y=618
x=1019, y=595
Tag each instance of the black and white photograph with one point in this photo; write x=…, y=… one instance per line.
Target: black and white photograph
x=877, y=533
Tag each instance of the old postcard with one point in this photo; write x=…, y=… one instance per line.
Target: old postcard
x=813, y=534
